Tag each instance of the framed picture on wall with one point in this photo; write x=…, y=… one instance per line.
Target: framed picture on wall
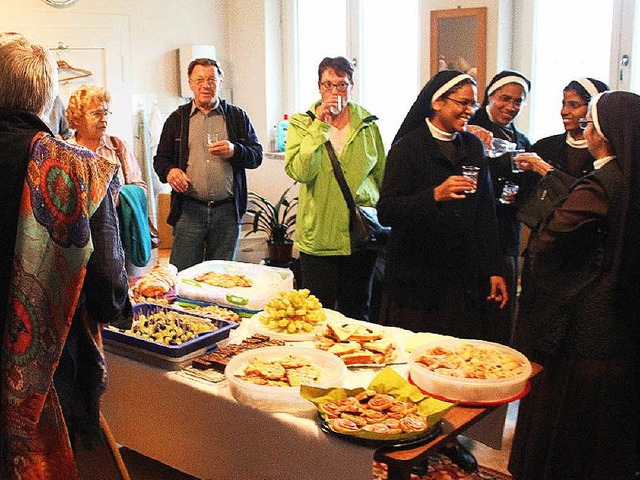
x=458, y=40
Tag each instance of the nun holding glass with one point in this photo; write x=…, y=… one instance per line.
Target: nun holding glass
x=559, y=160
x=504, y=98
x=442, y=259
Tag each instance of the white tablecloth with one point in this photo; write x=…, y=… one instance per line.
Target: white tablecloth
x=199, y=428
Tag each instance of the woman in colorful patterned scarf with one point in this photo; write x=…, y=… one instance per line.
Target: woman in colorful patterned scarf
x=61, y=275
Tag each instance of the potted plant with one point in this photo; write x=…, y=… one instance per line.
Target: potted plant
x=277, y=220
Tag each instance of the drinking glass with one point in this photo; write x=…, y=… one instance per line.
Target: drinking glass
x=212, y=138
x=509, y=193
x=499, y=147
x=335, y=110
x=471, y=171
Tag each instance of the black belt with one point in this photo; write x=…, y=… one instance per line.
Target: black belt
x=210, y=203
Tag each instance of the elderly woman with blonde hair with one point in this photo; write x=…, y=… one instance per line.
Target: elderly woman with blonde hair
x=88, y=114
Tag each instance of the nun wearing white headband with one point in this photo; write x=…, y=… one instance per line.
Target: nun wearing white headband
x=581, y=419
x=504, y=97
x=567, y=152
x=442, y=260
x=442, y=264
x=560, y=160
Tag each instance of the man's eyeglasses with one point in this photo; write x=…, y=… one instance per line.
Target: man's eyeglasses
x=201, y=81
x=99, y=114
x=341, y=86
x=573, y=105
x=516, y=102
x=465, y=103
x=583, y=122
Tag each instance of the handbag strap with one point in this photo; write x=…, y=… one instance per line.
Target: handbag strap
x=337, y=171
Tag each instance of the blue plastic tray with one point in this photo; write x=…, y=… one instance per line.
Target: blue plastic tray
x=201, y=342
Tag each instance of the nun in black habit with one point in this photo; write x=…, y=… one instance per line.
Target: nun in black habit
x=581, y=418
x=560, y=160
x=504, y=97
x=442, y=258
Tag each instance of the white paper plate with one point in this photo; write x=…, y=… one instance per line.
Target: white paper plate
x=261, y=328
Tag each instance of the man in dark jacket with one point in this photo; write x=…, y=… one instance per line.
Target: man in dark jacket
x=203, y=152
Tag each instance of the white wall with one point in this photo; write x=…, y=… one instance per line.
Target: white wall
x=155, y=29
x=249, y=39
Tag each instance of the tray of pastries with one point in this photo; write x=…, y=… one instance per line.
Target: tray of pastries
x=155, y=286
x=469, y=371
x=357, y=344
x=388, y=412
x=166, y=335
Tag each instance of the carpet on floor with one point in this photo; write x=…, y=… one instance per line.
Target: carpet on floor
x=441, y=467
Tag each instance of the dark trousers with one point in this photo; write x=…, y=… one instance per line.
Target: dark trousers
x=341, y=282
x=500, y=323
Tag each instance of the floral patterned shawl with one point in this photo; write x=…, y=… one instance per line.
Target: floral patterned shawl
x=63, y=187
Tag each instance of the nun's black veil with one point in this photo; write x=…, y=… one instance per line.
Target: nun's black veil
x=421, y=108
x=618, y=116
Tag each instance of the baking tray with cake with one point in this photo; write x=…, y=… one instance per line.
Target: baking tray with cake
x=165, y=336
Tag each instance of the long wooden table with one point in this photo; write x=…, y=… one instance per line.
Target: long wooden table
x=458, y=420
x=401, y=460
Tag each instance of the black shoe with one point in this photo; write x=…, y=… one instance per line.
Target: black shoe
x=460, y=456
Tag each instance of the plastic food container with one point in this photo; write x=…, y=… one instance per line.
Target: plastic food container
x=165, y=356
x=267, y=281
x=282, y=399
x=468, y=390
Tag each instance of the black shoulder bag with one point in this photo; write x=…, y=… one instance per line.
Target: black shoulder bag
x=364, y=228
x=547, y=196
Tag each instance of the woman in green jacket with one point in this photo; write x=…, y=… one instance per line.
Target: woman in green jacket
x=338, y=276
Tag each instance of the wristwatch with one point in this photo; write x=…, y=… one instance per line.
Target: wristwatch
x=60, y=3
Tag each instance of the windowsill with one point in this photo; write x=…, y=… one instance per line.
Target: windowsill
x=274, y=155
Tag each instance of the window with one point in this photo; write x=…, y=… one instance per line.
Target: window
x=390, y=62
x=572, y=39
x=321, y=32
x=381, y=36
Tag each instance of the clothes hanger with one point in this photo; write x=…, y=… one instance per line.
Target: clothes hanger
x=80, y=72
x=64, y=65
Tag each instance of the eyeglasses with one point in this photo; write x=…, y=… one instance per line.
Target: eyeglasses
x=583, y=122
x=516, y=102
x=341, y=86
x=201, y=81
x=465, y=103
x=99, y=114
x=573, y=105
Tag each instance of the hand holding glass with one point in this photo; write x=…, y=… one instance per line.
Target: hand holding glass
x=499, y=147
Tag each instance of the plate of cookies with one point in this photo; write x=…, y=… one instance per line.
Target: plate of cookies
x=390, y=411
x=270, y=378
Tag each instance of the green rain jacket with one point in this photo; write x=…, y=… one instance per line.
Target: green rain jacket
x=322, y=224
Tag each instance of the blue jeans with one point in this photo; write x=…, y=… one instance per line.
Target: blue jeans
x=204, y=233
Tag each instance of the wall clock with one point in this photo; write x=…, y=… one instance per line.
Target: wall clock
x=60, y=3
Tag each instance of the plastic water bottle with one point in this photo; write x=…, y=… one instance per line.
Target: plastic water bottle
x=283, y=126
x=273, y=145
